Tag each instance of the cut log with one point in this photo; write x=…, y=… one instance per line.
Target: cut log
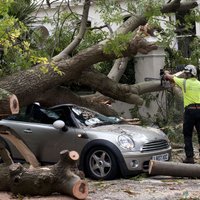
x=45, y=180
x=70, y=183
x=9, y=134
x=8, y=103
x=174, y=169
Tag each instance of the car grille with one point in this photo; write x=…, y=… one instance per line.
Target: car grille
x=155, y=145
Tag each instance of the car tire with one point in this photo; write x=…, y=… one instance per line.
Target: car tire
x=101, y=164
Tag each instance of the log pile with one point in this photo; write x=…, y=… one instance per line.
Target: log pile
x=58, y=178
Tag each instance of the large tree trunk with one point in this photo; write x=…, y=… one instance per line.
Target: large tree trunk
x=71, y=68
x=46, y=180
x=174, y=169
x=64, y=95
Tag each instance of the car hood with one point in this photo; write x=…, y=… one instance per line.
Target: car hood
x=135, y=131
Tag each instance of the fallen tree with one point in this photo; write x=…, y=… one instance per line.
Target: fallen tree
x=30, y=85
x=58, y=178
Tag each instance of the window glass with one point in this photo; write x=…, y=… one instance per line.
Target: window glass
x=64, y=115
x=88, y=117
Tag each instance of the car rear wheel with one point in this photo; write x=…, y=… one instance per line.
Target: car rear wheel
x=101, y=164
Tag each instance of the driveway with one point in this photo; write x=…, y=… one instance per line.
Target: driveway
x=151, y=188
x=143, y=187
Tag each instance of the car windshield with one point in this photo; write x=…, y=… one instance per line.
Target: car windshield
x=86, y=117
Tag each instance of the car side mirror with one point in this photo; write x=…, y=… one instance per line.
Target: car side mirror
x=59, y=124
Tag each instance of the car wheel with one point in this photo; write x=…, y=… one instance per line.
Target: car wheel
x=101, y=164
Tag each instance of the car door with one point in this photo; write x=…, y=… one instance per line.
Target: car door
x=48, y=141
x=79, y=139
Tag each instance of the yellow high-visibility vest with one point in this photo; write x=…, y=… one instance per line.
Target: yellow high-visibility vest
x=190, y=89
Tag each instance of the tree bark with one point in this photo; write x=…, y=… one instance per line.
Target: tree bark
x=118, y=69
x=72, y=68
x=123, y=92
x=174, y=169
x=45, y=180
x=64, y=95
x=8, y=103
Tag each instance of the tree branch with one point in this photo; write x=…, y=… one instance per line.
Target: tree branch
x=65, y=53
x=123, y=92
x=118, y=69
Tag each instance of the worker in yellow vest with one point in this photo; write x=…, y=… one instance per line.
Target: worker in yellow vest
x=190, y=87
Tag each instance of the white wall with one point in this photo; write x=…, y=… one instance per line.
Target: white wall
x=148, y=66
x=198, y=24
x=45, y=11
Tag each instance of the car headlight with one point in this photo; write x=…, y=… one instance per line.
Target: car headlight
x=126, y=142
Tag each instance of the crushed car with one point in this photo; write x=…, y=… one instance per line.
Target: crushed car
x=108, y=146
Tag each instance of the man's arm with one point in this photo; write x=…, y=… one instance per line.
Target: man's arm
x=168, y=76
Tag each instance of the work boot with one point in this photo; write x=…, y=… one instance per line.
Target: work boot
x=189, y=160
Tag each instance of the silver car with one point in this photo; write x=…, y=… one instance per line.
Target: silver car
x=108, y=146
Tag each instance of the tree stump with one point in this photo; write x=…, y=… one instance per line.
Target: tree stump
x=174, y=169
x=8, y=103
x=46, y=180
